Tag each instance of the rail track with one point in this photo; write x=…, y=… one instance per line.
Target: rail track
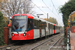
x=47, y=43
x=34, y=45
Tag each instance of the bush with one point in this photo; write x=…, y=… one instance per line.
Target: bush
x=1, y=29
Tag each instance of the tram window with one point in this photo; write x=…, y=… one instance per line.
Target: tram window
x=57, y=27
x=48, y=26
x=36, y=24
x=51, y=26
x=45, y=24
x=30, y=24
x=54, y=27
x=42, y=25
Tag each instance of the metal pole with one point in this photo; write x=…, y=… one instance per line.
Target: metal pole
x=47, y=16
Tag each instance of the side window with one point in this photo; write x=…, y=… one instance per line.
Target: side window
x=48, y=26
x=42, y=25
x=45, y=24
x=30, y=24
x=36, y=24
x=54, y=27
x=51, y=26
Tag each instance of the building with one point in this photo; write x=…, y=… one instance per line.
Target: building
x=71, y=20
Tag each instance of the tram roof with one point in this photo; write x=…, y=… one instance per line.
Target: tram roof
x=43, y=20
x=30, y=16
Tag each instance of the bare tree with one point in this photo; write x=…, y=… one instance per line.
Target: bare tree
x=17, y=7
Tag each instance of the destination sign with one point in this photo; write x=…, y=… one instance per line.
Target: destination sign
x=19, y=17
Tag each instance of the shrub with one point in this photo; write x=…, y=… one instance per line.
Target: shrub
x=1, y=29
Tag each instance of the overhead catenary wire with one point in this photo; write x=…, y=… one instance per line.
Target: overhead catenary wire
x=42, y=10
x=48, y=7
x=54, y=6
x=38, y=7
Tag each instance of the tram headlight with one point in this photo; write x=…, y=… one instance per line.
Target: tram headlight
x=24, y=34
x=12, y=34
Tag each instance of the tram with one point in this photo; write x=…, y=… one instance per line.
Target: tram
x=27, y=27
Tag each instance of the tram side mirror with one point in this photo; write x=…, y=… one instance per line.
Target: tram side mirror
x=9, y=25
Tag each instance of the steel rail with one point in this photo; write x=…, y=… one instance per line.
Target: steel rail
x=55, y=43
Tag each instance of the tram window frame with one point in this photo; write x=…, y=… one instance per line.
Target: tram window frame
x=30, y=25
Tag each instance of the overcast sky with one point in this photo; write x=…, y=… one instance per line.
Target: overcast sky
x=49, y=6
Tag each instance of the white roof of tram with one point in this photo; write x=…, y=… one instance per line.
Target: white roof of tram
x=44, y=21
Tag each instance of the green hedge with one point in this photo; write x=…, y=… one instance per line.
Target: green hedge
x=1, y=29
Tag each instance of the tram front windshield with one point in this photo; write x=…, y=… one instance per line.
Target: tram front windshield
x=19, y=24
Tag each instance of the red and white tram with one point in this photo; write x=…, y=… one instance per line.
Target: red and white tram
x=27, y=27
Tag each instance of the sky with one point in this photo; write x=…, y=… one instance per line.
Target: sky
x=51, y=7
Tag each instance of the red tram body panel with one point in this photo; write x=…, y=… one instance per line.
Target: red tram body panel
x=29, y=35
x=54, y=29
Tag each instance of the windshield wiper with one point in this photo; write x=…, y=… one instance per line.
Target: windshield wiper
x=17, y=32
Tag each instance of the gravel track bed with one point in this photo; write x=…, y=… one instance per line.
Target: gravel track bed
x=59, y=45
x=47, y=45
